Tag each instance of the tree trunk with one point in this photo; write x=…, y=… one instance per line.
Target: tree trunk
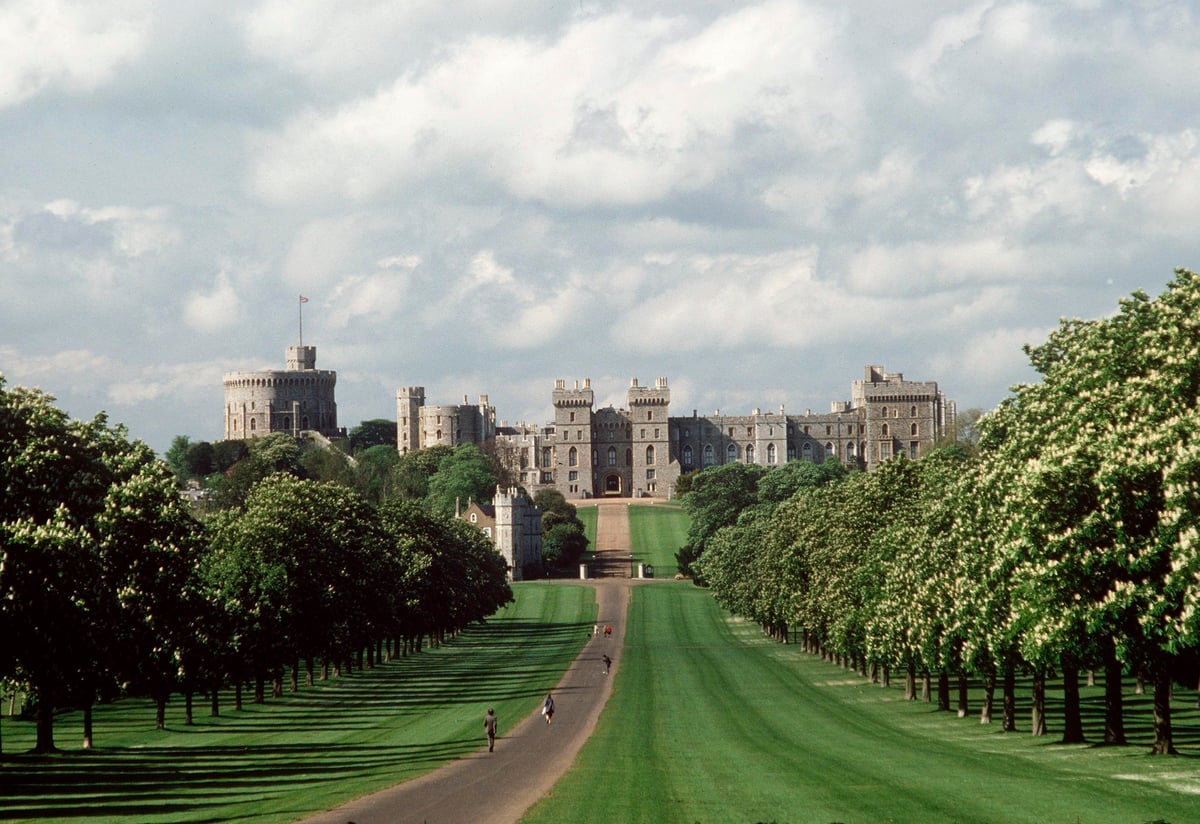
x=1038, y=712
x=886, y=680
x=1164, y=743
x=1072, y=718
x=962, y=694
x=237, y=694
x=1010, y=697
x=943, y=691
x=926, y=687
x=45, y=724
x=989, y=696
x=87, y=726
x=910, y=682
x=160, y=712
x=1114, y=703
x=295, y=675
x=187, y=707
x=214, y=708
x=309, y=671
x=277, y=684
x=260, y=689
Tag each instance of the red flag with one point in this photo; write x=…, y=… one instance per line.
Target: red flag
x=303, y=299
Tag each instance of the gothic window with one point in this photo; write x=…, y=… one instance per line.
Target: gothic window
x=649, y=454
x=750, y=453
x=884, y=431
x=791, y=452
x=770, y=453
x=731, y=453
x=474, y=518
x=612, y=456
x=807, y=451
x=709, y=458
x=253, y=424
x=883, y=412
x=629, y=457
x=914, y=430
x=913, y=448
x=573, y=457
x=850, y=450
x=545, y=456
x=687, y=455
x=913, y=412
x=829, y=450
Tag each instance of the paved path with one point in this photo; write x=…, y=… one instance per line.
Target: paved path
x=498, y=787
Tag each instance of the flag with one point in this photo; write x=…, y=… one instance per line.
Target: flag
x=303, y=299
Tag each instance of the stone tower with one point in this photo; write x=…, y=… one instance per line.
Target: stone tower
x=297, y=399
x=409, y=401
x=573, y=462
x=649, y=410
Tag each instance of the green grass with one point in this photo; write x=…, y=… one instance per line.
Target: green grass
x=587, y=514
x=311, y=750
x=710, y=722
x=657, y=532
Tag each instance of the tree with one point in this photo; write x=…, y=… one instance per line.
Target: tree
x=410, y=477
x=563, y=545
x=717, y=496
x=462, y=476
x=174, y=456
x=375, y=432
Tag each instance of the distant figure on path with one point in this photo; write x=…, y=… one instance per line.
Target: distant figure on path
x=489, y=725
x=596, y=630
x=607, y=663
x=607, y=630
x=548, y=708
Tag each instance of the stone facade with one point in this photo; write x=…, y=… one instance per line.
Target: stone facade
x=419, y=426
x=514, y=525
x=640, y=451
x=295, y=400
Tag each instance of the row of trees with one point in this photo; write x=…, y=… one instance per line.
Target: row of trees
x=109, y=585
x=1069, y=541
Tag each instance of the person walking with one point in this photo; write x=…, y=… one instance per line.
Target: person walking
x=489, y=726
x=548, y=708
x=607, y=663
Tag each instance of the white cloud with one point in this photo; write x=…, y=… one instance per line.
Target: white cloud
x=217, y=309
x=637, y=108
x=75, y=46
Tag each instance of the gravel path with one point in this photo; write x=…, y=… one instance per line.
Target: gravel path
x=498, y=787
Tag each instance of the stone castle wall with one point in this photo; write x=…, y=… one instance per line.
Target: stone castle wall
x=297, y=399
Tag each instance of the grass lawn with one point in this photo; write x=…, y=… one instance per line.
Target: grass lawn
x=587, y=514
x=657, y=531
x=710, y=722
x=310, y=750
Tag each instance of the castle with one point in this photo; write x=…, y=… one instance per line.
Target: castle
x=297, y=399
x=515, y=526
x=641, y=450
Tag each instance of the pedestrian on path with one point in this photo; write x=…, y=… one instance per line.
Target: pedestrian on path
x=607, y=630
x=548, y=708
x=596, y=630
x=489, y=726
x=607, y=663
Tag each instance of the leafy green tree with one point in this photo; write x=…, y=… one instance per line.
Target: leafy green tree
x=410, y=477
x=374, y=472
x=462, y=476
x=717, y=496
x=563, y=545
x=174, y=456
x=375, y=432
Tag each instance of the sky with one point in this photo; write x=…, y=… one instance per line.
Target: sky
x=754, y=200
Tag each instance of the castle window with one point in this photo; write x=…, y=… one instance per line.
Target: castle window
x=643, y=434
x=656, y=433
x=913, y=431
x=791, y=452
x=629, y=457
x=649, y=474
x=579, y=434
x=750, y=453
x=770, y=453
x=595, y=458
x=883, y=412
x=749, y=431
x=649, y=454
x=649, y=414
x=913, y=412
x=612, y=456
x=474, y=517
x=545, y=456
x=287, y=423
x=687, y=433
x=573, y=457
x=687, y=455
x=913, y=449
x=731, y=453
x=253, y=424
x=709, y=458
x=828, y=430
x=573, y=476
x=547, y=477
x=487, y=530
x=885, y=450
x=572, y=417
x=829, y=450
x=850, y=450
x=807, y=451
x=731, y=431
x=884, y=430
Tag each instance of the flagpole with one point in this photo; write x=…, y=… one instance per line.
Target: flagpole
x=300, y=315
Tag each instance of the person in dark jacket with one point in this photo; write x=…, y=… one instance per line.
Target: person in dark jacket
x=489, y=726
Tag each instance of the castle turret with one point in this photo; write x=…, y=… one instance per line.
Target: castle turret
x=294, y=400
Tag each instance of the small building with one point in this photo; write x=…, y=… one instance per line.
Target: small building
x=515, y=526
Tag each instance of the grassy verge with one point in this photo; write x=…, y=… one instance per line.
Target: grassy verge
x=657, y=532
x=711, y=723
x=310, y=750
x=588, y=514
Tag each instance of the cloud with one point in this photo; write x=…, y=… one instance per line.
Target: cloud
x=639, y=108
x=214, y=310
x=73, y=46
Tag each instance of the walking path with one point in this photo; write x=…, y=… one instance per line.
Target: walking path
x=498, y=787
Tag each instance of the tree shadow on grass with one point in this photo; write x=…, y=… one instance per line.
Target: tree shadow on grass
x=184, y=780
